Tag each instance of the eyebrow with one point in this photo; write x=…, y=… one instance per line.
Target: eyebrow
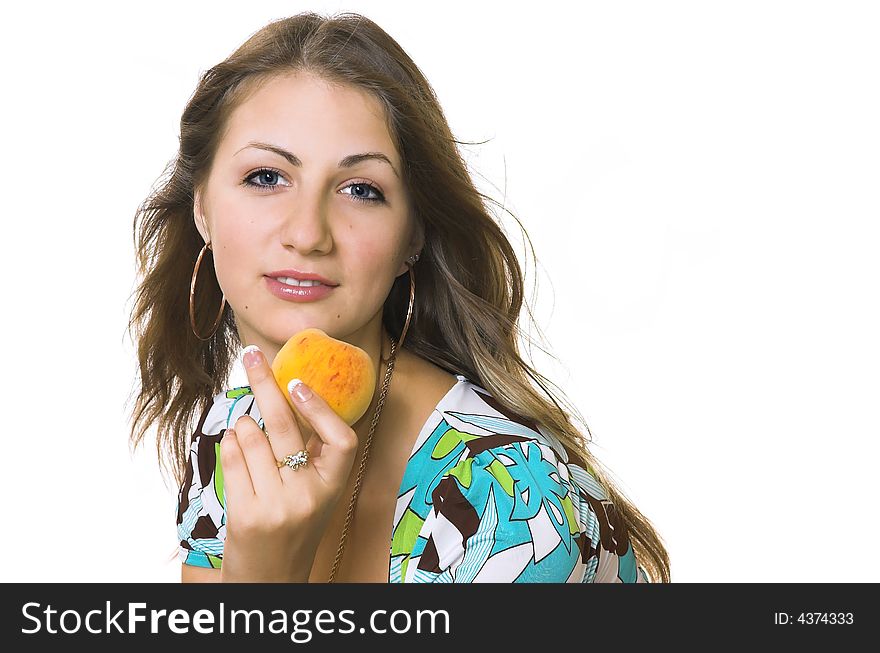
x=347, y=162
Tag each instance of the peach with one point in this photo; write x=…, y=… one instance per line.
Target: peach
x=341, y=373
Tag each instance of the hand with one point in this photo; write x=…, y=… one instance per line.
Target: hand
x=276, y=517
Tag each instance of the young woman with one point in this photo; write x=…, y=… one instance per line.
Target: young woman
x=317, y=153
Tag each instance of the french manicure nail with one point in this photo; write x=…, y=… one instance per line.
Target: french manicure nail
x=299, y=389
x=250, y=356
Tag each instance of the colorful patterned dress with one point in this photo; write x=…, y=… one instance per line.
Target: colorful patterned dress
x=486, y=496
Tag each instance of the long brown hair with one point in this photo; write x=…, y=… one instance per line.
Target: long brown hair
x=469, y=281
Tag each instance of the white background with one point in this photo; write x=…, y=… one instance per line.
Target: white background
x=699, y=180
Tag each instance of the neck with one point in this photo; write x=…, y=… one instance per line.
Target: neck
x=362, y=426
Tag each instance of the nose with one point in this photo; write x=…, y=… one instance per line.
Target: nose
x=306, y=226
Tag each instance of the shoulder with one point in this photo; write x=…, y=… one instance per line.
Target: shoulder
x=201, y=509
x=488, y=497
x=474, y=426
x=500, y=501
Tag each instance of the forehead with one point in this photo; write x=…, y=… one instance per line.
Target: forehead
x=310, y=114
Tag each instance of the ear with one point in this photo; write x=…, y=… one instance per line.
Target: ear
x=199, y=216
x=416, y=243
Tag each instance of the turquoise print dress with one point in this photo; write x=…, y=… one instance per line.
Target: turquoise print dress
x=486, y=496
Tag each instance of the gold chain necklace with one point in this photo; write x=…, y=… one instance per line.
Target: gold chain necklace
x=357, y=484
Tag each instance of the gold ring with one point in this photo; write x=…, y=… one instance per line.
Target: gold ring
x=294, y=460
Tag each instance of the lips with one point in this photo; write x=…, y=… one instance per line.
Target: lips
x=298, y=293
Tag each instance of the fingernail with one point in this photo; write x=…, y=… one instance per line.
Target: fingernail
x=299, y=389
x=250, y=356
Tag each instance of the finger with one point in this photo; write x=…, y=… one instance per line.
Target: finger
x=258, y=456
x=339, y=442
x=278, y=418
x=237, y=486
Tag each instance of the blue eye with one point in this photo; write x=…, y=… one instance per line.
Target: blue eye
x=262, y=173
x=364, y=187
x=361, y=189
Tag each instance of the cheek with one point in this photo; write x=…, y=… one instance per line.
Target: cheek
x=233, y=229
x=372, y=258
x=235, y=262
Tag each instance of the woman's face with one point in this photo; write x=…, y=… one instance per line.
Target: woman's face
x=324, y=209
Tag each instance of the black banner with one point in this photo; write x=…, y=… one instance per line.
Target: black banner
x=399, y=617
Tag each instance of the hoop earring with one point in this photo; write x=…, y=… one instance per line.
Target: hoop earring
x=412, y=298
x=192, y=293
